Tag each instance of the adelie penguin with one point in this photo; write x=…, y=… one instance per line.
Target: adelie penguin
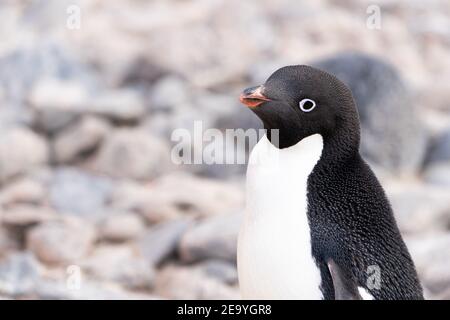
x=317, y=223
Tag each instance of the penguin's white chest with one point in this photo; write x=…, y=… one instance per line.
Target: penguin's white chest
x=274, y=248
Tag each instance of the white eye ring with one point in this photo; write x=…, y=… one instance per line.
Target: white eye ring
x=307, y=105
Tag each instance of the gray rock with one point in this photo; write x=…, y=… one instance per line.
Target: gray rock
x=8, y=241
x=81, y=137
x=213, y=238
x=76, y=192
x=392, y=133
x=132, y=153
x=142, y=72
x=24, y=66
x=120, y=264
x=168, y=93
x=431, y=255
x=20, y=151
x=119, y=227
x=56, y=102
x=221, y=270
x=440, y=149
x=19, y=274
x=184, y=283
x=420, y=208
x=225, y=112
x=121, y=105
x=161, y=241
x=438, y=174
x=61, y=242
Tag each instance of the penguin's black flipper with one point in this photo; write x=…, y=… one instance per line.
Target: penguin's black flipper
x=344, y=287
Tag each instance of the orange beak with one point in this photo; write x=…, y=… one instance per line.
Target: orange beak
x=253, y=97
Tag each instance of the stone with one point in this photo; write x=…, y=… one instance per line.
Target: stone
x=160, y=242
x=182, y=193
x=224, y=112
x=131, y=196
x=89, y=290
x=20, y=151
x=80, y=138
x=168, y=93
x=438, y=174
x=440, y=148
x=419, y=208
x=221, y=270
x=142, y=72
x=23, y=190
x=26, y=215
x=56, y=93
x=77, y=192
x=184, y=283
x=27, y=67
x=56, y=102
x=213, y=238
x=431, y=255
x=19, y=273
x=393, y=135
x=120, y=105
x=120, y=264
x=134, y=154
x=8, y=241
x=119, y=227
x=61, y=242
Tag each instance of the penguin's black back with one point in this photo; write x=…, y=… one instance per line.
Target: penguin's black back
x=352, y=223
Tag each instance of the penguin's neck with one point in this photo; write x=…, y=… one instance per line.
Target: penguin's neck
x=340, y=147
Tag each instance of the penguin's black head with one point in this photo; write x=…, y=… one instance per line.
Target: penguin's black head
x=301, y=101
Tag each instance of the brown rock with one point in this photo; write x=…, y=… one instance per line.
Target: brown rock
x=120, y=264
x=26, y=215
x=178, y=194
x=59, y=242
x=121, y=227
x=184, y=283
x=20, y=151
x=24, y=190
x=78, y=138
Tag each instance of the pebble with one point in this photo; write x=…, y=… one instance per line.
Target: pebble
x=134, y=154
x=20, y=151
x=79, y=138
x=184, y=283
x=61, y=242
x=161, y=241
x=213, y=238
x=120, y=227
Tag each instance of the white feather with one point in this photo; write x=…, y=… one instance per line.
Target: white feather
x=274, y=247
x=365, y=295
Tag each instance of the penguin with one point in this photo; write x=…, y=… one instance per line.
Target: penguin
x=317, y=222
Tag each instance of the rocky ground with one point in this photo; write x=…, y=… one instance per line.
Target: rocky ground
x=86, y=179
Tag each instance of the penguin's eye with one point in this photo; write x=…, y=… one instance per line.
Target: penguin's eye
x=307, y=105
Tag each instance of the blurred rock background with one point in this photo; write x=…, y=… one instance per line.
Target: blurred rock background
x=86, y=179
